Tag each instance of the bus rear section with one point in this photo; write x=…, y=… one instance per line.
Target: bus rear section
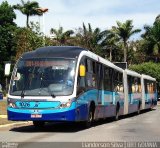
x=149, y=92
x=133, y=91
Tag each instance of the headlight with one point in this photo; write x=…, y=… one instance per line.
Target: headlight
x=12, y=105
x=65, y=105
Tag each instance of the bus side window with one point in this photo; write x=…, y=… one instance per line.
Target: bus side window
x=91, y=80
x=107, y=79
x=118, y=81
x=121, y=82
x=81, y=81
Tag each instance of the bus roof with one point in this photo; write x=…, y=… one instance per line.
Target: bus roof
x=54, y=51
x=147, y=77
x=132, y=73
x=101, y=60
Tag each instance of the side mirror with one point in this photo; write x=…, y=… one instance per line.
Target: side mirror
x=7, y=69
x=82, y=71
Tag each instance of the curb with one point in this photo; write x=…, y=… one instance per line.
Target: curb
x=16, y=124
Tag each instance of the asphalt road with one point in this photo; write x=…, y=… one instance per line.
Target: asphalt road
x=143, y=127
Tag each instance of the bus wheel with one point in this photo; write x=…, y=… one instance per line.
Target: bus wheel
x=117, y=113
x=139, y=108
x=152, y=105
x=89, y=121
x=38, y=124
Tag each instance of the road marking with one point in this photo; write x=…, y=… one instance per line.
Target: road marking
x=3, y=116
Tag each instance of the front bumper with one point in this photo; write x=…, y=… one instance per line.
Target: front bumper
x=60, y=114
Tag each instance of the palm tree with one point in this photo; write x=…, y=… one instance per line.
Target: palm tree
x=157, y=18
x=61, y=37
x=90, y=38
x=110, y=44
x=152, y=38
x=124, y=31
x=28, y=8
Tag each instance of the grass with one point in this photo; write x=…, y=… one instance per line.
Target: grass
x=3, y=111
x=3, y=107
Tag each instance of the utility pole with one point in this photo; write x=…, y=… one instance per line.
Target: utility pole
x=43, y=10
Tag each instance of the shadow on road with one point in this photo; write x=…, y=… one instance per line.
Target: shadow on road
x=69, y=127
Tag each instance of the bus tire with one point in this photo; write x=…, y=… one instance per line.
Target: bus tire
x=38, y=124
x=152, y=105
x=139, y=108
x=90, y=119
x=117, y=112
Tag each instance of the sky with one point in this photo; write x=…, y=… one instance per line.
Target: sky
x=70, y=14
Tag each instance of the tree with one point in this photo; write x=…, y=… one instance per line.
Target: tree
x=28, y=8
x=110, y=45
x=124, y=31
x=60, y=37
x=28, y=39
x=90, y=38
x=152, y=39
x=148, y=68
x=157, y=18
x=7, y=38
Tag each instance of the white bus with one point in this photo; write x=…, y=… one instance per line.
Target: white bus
x=71, y=84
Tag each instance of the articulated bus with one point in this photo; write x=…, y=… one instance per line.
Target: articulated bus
x=72, y=84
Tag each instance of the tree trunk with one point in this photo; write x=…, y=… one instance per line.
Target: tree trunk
x=125, y=51
x=27, y=22
x=110, y=54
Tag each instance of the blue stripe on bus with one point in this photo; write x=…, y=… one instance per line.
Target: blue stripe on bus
x=44, y=111
x=78, y=109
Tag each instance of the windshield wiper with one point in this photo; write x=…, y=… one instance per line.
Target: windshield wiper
x=24, y=88
x=22, y=93
x=52, y=95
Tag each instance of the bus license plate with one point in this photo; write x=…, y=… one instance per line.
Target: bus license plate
x=36, y=116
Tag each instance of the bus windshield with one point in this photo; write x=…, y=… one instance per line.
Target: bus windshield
x=43, y=77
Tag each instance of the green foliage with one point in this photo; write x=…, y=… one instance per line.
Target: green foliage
x=28, y=39
x=91, y=39
x=7, y=14
x=60, y=37
x=149, y=68
x=152, y=39
x=7, y=41
x=124, y=31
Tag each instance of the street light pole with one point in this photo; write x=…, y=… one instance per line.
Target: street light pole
x=43, y=10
